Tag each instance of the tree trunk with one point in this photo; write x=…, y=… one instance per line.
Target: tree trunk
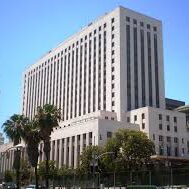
x=16, y=166
x=47, y=171
x=36, y=178
x=47, y=149
x=18, y=178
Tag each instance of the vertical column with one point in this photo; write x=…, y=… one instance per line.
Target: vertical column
x=51, y=152
x=75, y=153
x=70, y=152
x=87, y=139
x=81, y=143
x=55, y=153
x=65, y=150
x=60, y=153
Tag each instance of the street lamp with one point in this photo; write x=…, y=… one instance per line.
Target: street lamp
x=16, y=163
x=94, y=164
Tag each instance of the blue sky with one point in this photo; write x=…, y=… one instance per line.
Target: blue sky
x=28, y=29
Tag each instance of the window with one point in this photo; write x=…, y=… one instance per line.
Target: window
x=112, y=118
x=113, y=36
x=134, y=21
x=113, y=60
x=113, y=68
x=113, y=94
x=113, y=103
x=168, y=150
x=160, y=126
x=161, y=151
x=99, y=28
x=135, y=118
x=168, y=127
x=113, y=44
x=183, y=151
x=168, y=139
x=175, y=128
x=141, y=24
x=113, y=28
x=143, y=125
x=105, y=25
x=94, y=31
x=175, y=140
x=128, y=119
x=148, y=26
x=167, y=118
x=155, y=28
x=127, y=19
x=113, y=77
x=154, y=137
x=106, y=117
x=176, y=151
x=113, y=52
x=175, y=119
x=90, y=135
x=143, y=116
x=113, y=20
x=160, y=138
x=109, y=134
x=113, y=85
x=160, y=116
x=182, y=140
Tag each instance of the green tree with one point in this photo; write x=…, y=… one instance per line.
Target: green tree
x=26, y=172
x=89, y=154
x=8, y=176
x=32, y=139
x=46, y=119
x=52, y=171
x=14, y=128
x=132, y=149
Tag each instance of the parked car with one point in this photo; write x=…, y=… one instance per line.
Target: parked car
x=142, y=187
x=9, y=185
x=33, y=186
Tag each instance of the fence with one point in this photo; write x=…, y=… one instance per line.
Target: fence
x=166, y=177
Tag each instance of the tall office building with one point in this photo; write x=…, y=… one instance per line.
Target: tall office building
x=105, y=77
x=114, y=64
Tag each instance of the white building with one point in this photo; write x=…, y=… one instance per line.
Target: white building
x=102, y=78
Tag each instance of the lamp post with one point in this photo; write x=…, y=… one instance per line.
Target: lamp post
x=16, y=163
x=94, y=163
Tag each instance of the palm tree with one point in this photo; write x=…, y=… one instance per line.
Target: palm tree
x=32, y=139
x=46, y=119
x=14, y=129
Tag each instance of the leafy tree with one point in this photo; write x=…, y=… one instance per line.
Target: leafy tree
x=32, y=139
x=52, y=173
x=89, y=155
x=132, y=149
x=14, y=128
x=26, y=172
x=64, y=170
x=46, y=119
x=8, y=176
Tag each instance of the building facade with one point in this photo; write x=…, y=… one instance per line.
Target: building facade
x=114, y=64
x=105, y=77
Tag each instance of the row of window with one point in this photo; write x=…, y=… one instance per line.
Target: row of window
x=168, y=118
x=148, y=26
x=46, y=79
x=168, y=139
x=142, y=72
x=112, y=64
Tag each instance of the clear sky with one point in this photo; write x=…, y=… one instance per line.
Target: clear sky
x=30, y=28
